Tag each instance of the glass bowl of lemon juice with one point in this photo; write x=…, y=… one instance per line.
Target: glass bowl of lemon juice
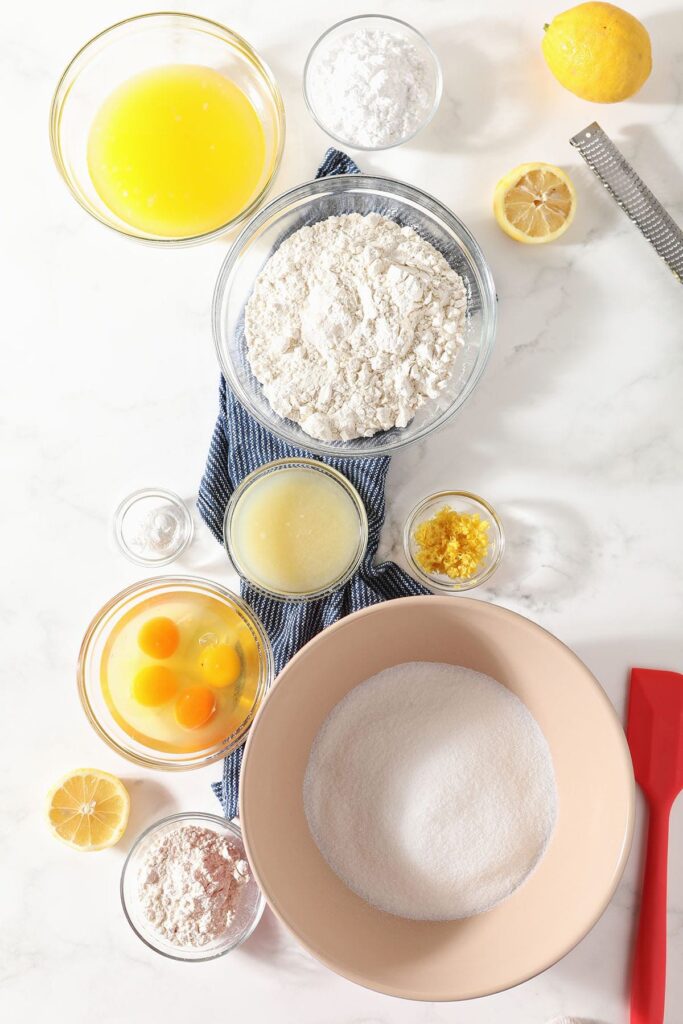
x=168, y=128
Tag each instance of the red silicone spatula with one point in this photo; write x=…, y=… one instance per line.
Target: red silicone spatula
x=655, y=736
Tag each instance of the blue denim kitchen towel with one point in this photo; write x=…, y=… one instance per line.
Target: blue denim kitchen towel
x=239, y=445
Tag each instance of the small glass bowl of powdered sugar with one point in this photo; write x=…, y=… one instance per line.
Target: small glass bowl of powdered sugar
x=187, y=889
x=372, y=82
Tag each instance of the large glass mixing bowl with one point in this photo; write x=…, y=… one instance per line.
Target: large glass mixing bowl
x=328, y=197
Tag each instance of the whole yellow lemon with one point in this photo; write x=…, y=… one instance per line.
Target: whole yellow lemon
x=598, y=52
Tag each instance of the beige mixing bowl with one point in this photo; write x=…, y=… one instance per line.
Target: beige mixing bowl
x=546, y=916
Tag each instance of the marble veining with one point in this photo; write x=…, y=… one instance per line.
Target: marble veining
x=109, y=382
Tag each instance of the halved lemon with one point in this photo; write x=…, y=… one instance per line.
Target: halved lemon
x=88, y=809
x=534, y=203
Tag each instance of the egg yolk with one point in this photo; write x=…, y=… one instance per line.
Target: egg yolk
x=154, y=685
x=221, y=665
x=159, y=637
x=195, y=706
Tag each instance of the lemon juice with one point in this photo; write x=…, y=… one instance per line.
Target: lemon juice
x=295, y=531
x=177, y=151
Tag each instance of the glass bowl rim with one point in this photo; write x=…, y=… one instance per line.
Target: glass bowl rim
x=214, y=819
x=438, y=90
x=61, y=92
x=279, y=465
x=456, y=586
x=126, y=504
x=153, y=759
x=364, y=183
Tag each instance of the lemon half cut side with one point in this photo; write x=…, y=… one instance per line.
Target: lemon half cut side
x=88, y=809
x=535, y=203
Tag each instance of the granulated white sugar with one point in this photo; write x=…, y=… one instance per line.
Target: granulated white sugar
x=430, y=791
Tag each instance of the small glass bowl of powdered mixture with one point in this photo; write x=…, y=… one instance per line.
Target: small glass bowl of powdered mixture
x=187, y=889
x=372, y=82
x=153, y=526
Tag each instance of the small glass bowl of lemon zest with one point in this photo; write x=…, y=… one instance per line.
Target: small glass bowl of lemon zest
x=453, y=541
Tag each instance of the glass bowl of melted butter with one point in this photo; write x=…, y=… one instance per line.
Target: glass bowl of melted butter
x=168, y=128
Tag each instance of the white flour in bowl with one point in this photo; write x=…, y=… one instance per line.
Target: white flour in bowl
x=190, y=885
x=353, y=324
x=430, y=791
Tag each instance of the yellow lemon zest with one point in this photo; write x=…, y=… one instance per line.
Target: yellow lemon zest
x=451, y=543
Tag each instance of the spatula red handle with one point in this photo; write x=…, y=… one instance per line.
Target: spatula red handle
x=649, y=967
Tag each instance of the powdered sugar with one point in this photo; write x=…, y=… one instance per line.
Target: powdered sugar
x=371, y=88
x=430, y=791
x=353, y=323
x=190, y=885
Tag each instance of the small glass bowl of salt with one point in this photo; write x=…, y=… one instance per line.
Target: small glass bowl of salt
x=153, y=526
x=372, y=82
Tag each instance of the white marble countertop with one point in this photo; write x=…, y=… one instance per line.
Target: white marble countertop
x=109, y=382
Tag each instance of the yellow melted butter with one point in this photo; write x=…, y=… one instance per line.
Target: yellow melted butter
x=177, y=151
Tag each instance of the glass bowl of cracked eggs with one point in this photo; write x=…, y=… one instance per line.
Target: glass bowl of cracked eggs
x=354, y=315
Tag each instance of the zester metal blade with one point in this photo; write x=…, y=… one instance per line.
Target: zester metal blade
x=632, y=194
